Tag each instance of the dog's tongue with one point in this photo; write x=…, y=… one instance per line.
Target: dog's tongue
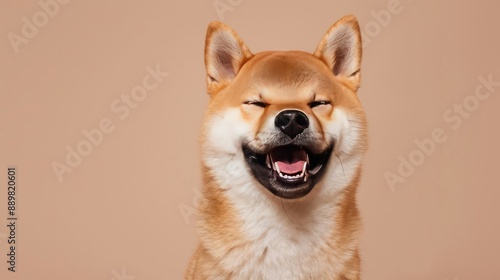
x=291, y=168
x=290, y=159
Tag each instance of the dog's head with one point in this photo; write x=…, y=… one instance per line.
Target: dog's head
x=283, y=119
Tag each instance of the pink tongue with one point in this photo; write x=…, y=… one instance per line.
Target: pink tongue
x=291, y=168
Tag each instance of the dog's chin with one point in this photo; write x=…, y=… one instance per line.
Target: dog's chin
x=288, y=171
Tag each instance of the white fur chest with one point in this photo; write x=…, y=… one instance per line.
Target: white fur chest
x=280, y=239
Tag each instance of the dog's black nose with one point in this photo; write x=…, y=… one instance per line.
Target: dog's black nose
x=291, y=122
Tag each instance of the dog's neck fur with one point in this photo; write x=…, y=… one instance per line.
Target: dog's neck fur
x=264, y=237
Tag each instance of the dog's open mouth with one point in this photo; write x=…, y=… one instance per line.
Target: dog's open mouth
x=289, y=163
x=288, y=171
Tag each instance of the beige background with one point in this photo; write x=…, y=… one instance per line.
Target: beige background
x=118, y=213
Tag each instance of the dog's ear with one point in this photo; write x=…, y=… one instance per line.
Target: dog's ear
x=340, y=49
x=225, y=54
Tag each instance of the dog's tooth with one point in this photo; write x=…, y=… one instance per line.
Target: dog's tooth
x=279, y=171
x=268, y=161
x=304, y=169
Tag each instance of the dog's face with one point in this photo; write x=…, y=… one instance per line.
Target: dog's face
x=282, y=118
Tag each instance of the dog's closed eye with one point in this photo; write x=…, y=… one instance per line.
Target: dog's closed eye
x=318, y=103
x=256, y=103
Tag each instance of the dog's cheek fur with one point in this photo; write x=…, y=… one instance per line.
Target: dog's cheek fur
x=223, y=133
x=348, y=131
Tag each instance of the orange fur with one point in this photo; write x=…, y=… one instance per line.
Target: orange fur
x=232, y=246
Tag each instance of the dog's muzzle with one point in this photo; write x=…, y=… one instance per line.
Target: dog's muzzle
x=288, y=169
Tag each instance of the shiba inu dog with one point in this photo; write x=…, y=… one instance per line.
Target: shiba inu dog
x=282, y=144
